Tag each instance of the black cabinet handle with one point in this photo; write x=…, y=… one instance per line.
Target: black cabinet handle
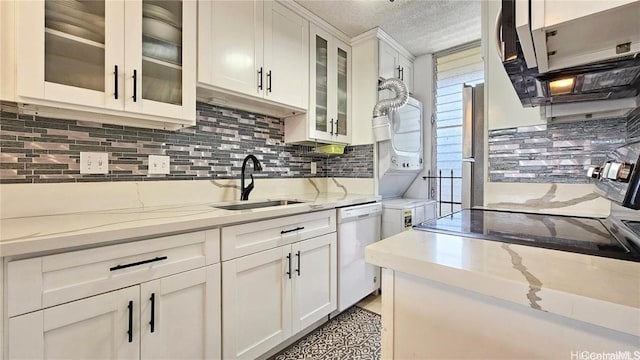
x=402, y=74
x=398, y=68
x=336, y=134
x=152, y=322
x=298, y=269
x=292, y=230
x=130, y=331
x=118, y=267
x=115, y=81
x=289, y=259
x=269, y=81
x=331, y=127
x=135, y=85
x=260, y=79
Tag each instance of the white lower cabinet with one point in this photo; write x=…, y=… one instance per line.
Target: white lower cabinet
x=315, y=280
x=271, y=295
x=91, y=328
x=173, y=317
x=180, y=316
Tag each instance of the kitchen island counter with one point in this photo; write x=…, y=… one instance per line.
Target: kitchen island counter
x=489, y=287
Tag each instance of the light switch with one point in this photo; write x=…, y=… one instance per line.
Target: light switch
x=314, y=167
x=94, y=163
x=159, y=164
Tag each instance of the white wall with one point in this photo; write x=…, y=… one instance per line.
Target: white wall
x=423, y=91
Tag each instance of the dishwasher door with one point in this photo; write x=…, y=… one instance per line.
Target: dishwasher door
x=358, y=226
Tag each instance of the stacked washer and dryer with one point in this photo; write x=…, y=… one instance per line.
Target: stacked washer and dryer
x=400, y=160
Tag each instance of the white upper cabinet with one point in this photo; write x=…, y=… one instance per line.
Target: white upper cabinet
x=393, y=64
x=329, y=117
x=254, y=48
x=286, y=54
x=231, y=56
x=121, y=58
x=375, y=55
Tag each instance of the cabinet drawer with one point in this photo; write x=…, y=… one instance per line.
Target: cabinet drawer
x=244, y=239
x=55, y=279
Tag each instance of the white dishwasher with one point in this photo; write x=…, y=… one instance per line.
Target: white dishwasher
x=358, y=226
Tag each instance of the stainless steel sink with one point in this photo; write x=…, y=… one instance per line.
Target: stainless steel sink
x=255, y=205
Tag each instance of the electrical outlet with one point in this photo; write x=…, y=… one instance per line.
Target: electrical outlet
x=159, y=164
x=314, y=167
x=94, y=163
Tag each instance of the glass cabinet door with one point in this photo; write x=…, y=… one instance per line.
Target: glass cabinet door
x=321, y=67
x=342, y=76
x=162, y=51
x=74, y=43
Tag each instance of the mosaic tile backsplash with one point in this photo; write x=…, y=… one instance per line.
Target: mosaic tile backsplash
x=553, y=153
x=633, y=126
x=36, y=149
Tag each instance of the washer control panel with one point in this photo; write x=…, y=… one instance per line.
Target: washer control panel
x=406, y=162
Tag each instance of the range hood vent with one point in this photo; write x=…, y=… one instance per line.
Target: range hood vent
x=592, y=110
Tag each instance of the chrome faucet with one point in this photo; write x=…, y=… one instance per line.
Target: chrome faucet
x=256, y=167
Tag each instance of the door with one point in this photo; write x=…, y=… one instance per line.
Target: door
x=235, y=46
x=256, y=298
x=71, y=52
x=99, y=327
x=388, y=61
x=320, y=112
x=286, y=56
x=342, y=104
x=314, y=280
x=406, y=72
x=160, y=58
x=181, y=316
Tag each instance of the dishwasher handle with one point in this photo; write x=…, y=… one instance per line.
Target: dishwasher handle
x=359, y=212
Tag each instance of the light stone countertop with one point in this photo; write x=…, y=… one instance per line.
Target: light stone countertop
x=597, y=290
x=33, y=235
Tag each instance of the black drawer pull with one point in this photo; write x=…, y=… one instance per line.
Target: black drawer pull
x=298, y=269
x=292, y=230
x=152, y=322
x=115, y=72
x=269, y=81
x=289, y=259
x=135, y=85
x=260, y=79
x=130, y=331
x=159, y=258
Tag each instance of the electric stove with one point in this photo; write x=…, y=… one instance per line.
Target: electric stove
x=583, y=235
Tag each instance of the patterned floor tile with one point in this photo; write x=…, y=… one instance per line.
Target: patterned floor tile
x=354, y=334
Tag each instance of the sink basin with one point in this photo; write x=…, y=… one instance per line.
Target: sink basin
x=255, y=205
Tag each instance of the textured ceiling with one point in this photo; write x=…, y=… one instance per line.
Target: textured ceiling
x=421, y=26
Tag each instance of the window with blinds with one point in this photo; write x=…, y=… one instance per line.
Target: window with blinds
x=453, y=69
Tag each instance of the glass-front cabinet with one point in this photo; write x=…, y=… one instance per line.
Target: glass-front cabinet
x=134, y=56
x=331, y=82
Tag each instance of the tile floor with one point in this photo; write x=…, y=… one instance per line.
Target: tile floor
x=354, y=334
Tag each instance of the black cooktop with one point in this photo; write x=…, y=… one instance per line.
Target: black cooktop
x=567, y=233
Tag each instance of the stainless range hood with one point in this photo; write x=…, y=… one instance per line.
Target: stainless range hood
x=558, y=53
x=590, y=110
